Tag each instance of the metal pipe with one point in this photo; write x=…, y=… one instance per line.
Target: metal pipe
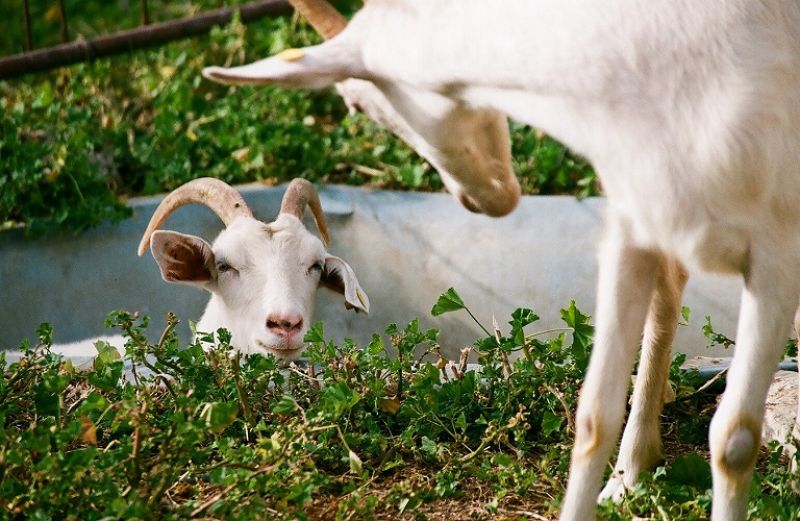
x=125, y=41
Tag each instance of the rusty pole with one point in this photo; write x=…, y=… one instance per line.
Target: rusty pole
x=145, y=13
x=126, y=41
x=62, y=11
x=26, y=13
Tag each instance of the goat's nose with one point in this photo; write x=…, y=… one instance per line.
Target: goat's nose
x=284, y=325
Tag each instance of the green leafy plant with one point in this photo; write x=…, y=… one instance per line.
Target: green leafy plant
x=388, y=430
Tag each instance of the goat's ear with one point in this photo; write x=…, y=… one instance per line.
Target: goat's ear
x=310, y=67
x=338, y=276
x=183, y=259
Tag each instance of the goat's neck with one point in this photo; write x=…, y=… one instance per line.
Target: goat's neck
x=564, y=66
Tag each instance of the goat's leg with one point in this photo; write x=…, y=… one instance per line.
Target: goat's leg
x=641, y=441
x=625, y=286
x=768, y=302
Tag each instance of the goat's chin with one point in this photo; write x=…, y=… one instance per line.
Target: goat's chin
x=287, y=349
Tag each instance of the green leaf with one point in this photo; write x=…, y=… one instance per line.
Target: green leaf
x=520, y=318
x=690, y=469
x=461, y=420
x=551, y=423
x=315, y=334
x=45, y=333
x=582, y=333
x=429, y=447
x=219, y=415
x=686, y=315
x=286, y=405
x=106, y=354
x=338, y=398
x=46, y=401
x=448, y=301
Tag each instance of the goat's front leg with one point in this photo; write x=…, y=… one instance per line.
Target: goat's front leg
x=641, y=441
x=768, y=302
x=626, y=278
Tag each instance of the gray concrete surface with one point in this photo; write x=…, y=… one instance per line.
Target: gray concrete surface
x=406, y=248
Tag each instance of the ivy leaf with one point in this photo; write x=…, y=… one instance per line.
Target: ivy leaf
x=45, y=334
x=448, y=301
x=106, y=354
x=551, y=423
x=582, y=333
x=315, y=334
x=520, y=318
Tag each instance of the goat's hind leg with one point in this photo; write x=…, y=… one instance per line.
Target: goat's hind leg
x=640, y=449
x=626, y=279
x=768, y=302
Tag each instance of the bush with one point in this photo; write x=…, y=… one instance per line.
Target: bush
x=386, y=431
x=74, y=143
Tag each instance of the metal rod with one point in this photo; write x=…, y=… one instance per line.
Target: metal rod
x=125, y=41
x=26, y=13
x=63, y=13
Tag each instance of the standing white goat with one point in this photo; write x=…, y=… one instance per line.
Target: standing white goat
x=690, y=113
x=262, y=277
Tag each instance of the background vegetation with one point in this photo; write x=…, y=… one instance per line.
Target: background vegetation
x=75, y=142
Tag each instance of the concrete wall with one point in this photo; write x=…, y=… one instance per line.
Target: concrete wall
x=406, y=248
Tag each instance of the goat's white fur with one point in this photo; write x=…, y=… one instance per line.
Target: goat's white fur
x=690, y=113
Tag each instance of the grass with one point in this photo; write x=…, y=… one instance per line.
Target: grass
x=76, y=142
x=382, y=431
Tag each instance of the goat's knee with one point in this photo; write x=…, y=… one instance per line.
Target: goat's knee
x=595, y=430
x=734, y=448
x=497, y=198
x=588, y=436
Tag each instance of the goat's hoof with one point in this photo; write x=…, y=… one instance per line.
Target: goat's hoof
x=614, y=490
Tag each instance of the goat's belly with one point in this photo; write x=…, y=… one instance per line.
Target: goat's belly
x=709, y=240
x=694, y=236
x=710, y=247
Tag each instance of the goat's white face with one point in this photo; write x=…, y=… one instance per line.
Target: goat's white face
x=267, y=277
x=263, y=279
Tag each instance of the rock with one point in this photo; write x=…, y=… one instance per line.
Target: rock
x=781, y=411
x=781, y=406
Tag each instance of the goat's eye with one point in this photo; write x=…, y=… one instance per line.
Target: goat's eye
x=317, y=266
x=223, y=267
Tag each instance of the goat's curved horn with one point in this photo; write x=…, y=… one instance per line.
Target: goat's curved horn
x=322, y=16
x=299, y=194
x=224, y=200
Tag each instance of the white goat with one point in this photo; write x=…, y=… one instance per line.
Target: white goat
x=262, y=277
x=690, y=113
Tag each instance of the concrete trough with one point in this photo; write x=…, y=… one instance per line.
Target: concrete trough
x=406, y=249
